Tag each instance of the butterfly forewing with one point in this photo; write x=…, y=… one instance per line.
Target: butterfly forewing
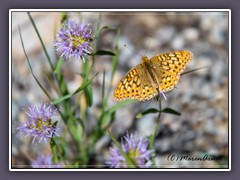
x=168, y=68
x=134, y=85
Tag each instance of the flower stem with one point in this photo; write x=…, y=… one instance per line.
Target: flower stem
x=152, y=138
x=160, y=110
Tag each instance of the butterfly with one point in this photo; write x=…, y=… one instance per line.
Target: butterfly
x=152, y=76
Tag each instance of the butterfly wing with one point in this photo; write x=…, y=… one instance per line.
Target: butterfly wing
x=135, y=85
x=168, y=67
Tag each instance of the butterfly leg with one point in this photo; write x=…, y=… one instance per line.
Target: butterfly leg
x=164, y=95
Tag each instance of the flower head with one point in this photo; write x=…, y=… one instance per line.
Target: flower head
x=136, y=148
x=39, y=123
x=74, y=40
x=45, y=161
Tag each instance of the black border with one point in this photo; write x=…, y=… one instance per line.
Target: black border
x=116, y=169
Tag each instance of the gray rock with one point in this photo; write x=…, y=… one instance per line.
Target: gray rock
x=191, y=34
x=178, y=42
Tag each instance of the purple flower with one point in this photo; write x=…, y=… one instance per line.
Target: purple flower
x=74, y=40
x=136, y=148
x=39, y=123
x=45, y=161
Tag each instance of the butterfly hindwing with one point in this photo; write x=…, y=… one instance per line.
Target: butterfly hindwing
x=129, y=86
x=134, y=85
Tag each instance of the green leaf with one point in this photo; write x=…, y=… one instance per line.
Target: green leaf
x=85, y=84
x=59, y=77
x=80, y=121
x=119, y=105
x=73, y=127
x=148, y=111
x=82, y=87
x=85, y=69
x=105, y=117
x=60, y=99
x=103, y=52
x=80, y=131
x=171, y=111
x=128, y=160
x=58, y=66
x=54, y=150
x=112, y=118
x=107, y=121
x=89, y=95
x=97, y=32
x=64, y=17
x=82, y=75
x=55, y=124
x=52, y=143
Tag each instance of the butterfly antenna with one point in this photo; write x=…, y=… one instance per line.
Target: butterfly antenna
x=148, y=44
x=133, y=51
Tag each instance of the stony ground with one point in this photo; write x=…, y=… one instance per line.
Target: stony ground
x=201, y=96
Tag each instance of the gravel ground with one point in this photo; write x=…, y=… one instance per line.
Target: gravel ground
x=201, y=96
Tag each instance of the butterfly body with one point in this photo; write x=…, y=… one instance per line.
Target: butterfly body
x=153, y=76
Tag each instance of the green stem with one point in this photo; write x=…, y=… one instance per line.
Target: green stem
x=89, y=149
x=55, y=158
x=96, y=41
x=158, y=118
x=152, y=138
x=60, y=80
x=160, y=110
x=128, y=160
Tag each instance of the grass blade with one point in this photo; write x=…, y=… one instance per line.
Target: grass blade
x=89, y=95
x=119, y=105
x=54, y=150
x=31, y=66
x=82, y=87
x=103, y=85
x=41, y=41
x=105, y=117
x=85, y=84
x=58, y=67
x=115, y=58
